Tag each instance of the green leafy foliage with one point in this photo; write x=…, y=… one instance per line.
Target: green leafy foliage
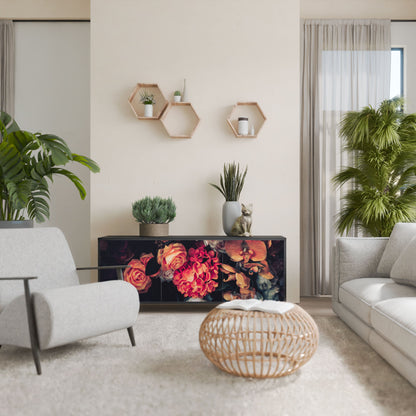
x=147, y=98
x=231, y=184
x=155, y=210
x=28, y=162
x=383, y=143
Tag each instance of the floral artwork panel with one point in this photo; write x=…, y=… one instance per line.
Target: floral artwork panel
x=196, y=270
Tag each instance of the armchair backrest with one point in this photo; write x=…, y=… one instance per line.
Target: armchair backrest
x=41, y=252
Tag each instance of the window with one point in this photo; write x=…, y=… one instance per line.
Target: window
x=397, y=74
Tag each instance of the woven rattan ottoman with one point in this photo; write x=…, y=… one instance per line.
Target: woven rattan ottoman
x=261, y=339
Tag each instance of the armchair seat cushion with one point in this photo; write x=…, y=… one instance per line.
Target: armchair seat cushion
x=360, y=295
x=72, y=313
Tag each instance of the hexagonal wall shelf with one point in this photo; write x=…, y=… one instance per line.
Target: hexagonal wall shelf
x=180, y=120
x=253, y=112
x=138, y=108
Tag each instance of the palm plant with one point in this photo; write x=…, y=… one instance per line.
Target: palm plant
x=383, y=142
x=231, y=184
x=27, y=162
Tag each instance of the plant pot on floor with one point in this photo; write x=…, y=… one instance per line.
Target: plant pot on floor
x=16, y=224
x=154, y=230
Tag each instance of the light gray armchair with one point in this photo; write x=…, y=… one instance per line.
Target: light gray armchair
x=54, y=309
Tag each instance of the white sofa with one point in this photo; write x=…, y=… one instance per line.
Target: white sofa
x=374, y=293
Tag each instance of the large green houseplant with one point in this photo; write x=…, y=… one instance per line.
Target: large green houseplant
x=383, y=174
x=28, y=162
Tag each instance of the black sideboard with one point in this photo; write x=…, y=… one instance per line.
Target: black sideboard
x=198, y=268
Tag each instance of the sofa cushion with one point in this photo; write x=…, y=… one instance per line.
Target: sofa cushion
x=400, y=237
x=395, y=320
x=404, y=269
x=359, y=295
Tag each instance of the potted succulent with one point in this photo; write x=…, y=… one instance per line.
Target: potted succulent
x=154, y=215
x=177, y=96
x=231, y=185
x=28, y=161
x=148, y=100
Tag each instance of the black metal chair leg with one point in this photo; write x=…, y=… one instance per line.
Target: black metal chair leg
x=131, y=335
x=34, y=343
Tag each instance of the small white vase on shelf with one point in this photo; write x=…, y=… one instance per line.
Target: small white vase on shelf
x=184, y=93
x=231, y=210
x=176, y=98
x=148, y=110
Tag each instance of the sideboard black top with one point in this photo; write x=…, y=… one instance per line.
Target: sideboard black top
x=192, y=237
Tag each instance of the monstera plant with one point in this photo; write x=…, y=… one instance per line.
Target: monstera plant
x=383, y=144
x=28, y=163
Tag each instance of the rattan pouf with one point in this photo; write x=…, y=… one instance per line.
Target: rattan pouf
x=260, y=344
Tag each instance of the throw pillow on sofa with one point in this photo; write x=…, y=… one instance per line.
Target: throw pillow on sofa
x=400, y=237
x=404, y=269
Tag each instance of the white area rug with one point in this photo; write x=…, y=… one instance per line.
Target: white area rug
x=167, y=374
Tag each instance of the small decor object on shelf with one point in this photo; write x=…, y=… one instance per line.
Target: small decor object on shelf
x=239, y=116
x=177, y=97
x=148, y=100
x=242, y=225
x=243, y=126
x=231, y=185
x=184, y=96
x=154, y=215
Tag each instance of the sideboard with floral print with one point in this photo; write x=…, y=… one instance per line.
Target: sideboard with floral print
x=198, y=269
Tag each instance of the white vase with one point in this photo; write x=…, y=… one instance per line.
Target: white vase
x=148, y=110
x=231, y=210
x=176, y=98
x=184, y=96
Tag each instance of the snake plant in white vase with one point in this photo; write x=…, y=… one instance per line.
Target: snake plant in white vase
x=231, y=185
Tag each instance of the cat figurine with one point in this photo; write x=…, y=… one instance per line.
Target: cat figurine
x=242, y=225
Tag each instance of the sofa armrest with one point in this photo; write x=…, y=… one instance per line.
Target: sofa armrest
x=356, y=257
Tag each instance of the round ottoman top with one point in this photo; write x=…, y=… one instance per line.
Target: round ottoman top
x=270, y=306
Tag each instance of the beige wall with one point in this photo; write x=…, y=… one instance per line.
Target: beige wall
x=229, y=51
x=45, y=9
x=392, y=9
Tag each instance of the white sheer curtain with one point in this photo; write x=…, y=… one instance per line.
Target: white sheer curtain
x=7, y=66
x=345, y=66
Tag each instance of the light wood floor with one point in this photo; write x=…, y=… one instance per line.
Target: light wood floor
x=317, y=306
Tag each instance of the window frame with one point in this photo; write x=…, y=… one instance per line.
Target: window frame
x=402, y=50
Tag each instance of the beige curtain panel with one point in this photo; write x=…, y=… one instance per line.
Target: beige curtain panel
x=7, y=66
x=345, y=66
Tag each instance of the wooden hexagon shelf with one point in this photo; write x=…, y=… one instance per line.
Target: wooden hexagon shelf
x=256, y=118
x=180, y=120
x=138, y=107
